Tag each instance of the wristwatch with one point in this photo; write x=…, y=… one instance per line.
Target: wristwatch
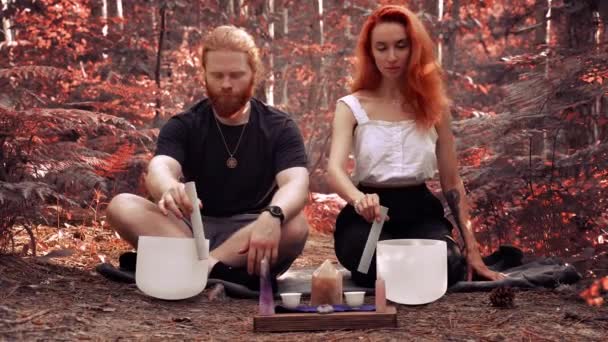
x=276, y=211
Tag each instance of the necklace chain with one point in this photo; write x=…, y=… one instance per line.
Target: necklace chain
x=231, y=162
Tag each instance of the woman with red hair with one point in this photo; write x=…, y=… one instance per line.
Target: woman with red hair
x=397, y=123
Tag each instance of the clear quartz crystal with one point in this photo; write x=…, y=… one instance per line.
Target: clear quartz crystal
x=266, y=305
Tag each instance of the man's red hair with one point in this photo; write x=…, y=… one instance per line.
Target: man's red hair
x=232, y=38
x=423, y=84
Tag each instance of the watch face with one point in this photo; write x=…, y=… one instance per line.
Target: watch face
x=275, y=211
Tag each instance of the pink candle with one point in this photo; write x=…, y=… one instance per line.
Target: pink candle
x=380, y=295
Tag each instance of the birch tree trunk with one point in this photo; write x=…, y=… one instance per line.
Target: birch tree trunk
x=348, y=35
x=597, y=114
x=440, y=40
x=597, y=105
x=120, y=15
x=270, y=84
x=285, y=77
x=161, y=38
x=104, y=16
x=317, y=91
x=6, y=24
x=546, y=152
x=259, y=9
x=548, y=38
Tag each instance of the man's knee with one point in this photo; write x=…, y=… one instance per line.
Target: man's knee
x=119, y=206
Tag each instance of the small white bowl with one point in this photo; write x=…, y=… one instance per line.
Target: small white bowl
x=354, y=298
x=291, y=300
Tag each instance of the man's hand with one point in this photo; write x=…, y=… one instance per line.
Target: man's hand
x=263, y=242
x=175, y=200
x=475, y=263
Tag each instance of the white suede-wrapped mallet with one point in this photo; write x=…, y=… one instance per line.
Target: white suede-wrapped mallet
x=197, y=223
x=372, y=240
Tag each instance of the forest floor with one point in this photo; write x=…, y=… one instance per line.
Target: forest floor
x=60, y=297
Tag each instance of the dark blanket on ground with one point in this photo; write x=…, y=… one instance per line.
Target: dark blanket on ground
x=542, y=272
x=535, y=273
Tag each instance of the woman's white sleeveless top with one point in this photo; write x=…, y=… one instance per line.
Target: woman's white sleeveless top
x=391, y=153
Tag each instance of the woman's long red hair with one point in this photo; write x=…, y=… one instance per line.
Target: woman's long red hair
x=423, y=85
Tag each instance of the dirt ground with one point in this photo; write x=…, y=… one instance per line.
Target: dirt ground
x=61, y=297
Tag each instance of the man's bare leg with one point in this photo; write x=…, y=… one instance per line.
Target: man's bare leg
x=132, y=216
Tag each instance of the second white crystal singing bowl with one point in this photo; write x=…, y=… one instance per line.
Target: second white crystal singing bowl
x=415, y=271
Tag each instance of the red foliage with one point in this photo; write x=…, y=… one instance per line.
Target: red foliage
x=593, y=295
x=322, y=210
x=473, y=156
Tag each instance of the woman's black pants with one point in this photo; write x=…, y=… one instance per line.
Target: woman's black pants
x=414, y=212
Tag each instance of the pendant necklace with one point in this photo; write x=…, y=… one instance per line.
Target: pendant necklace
x=231, y=162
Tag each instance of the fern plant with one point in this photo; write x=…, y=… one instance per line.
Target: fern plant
x=51, y=158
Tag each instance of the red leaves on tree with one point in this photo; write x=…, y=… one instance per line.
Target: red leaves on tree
x=593, y=294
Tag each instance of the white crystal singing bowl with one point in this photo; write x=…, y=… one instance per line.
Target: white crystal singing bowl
x=415, y=271
x=169, y=268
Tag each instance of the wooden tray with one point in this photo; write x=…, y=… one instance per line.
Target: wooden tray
x=333, y=321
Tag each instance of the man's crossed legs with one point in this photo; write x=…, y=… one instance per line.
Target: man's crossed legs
x=132, y=216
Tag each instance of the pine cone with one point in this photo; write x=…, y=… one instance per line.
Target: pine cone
x=502, y=297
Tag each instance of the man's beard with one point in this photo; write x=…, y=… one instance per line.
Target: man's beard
x=227, y=104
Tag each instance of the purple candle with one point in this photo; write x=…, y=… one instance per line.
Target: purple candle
x=266, y=305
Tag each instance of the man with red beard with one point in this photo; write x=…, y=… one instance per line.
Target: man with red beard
x=249, y=165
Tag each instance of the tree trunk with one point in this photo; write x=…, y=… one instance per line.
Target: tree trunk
x=119, y=14
x=597, y=105
x=548, y=36
x=241, y=8
x=227, y=8
x=453, y=35
x=316, y=91
x=540, y=14
x=348, y=35
x=285, y=68
x=6, y=24
x=161, y=38
x=431, y=7
x=578, y=19
x=547, y=144
x=104, y=16
x=440, y=4
x=431, y=19
x=602, y=9
x=259, y=10
x=596, y=115
x=270, y=83
x=602, y=108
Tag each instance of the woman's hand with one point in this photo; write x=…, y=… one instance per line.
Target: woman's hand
x=475, y=263
x=368, y=206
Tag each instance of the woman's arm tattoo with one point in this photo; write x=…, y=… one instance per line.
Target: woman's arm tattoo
x=453, y=198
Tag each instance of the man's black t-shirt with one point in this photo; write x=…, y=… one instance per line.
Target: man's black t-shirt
x=271, y=143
